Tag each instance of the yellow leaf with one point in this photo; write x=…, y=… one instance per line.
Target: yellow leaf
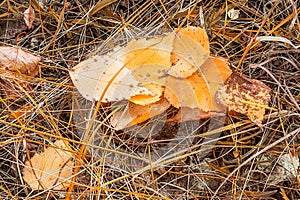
x=190, y=51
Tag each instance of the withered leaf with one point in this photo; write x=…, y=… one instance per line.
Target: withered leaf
x=53, y=166
x=29, y=16
x=14, y=59
x=134, y=113
x=246, y=96
x=17, y=67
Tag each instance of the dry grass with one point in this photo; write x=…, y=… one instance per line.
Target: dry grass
x=127, y=165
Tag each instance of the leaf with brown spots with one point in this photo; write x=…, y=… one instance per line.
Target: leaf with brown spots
x=246, y=96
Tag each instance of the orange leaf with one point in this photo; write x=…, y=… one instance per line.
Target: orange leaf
x=134, y=114
x=53, y=166
x=190, y=51
x=198, y=90
x=126, y=72
x=21, y=113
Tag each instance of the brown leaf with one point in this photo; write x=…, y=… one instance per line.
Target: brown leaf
x=29, y=16
x=49, y=168
x=246, y=96
x=14, y=60
x=16, y=69
x=190, y=114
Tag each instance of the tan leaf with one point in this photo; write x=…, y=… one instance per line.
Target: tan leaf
x=126, y=72
x=134, y=114
x=246, y=96
x=104, y=75
x=29, y=16
x=53, y=166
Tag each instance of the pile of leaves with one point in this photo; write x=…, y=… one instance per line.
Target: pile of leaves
x=149, y=100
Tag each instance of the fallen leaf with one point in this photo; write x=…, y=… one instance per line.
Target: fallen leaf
x=53, y=166
x=233, y=14
x=190, y=51
x=17, y=67
x=175, y=66
x=246, y=96
x=21, y=113
x=198, y=90
x=135, y=114
x=100, y=75
x=29, y=16
x=14, y=59
x=126, y=72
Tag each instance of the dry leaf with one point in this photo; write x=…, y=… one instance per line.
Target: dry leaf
x=14, y=59
x=16, y=68
x=233, y=14
x=100, y=75
x=29, y=16
x=190, y=51
x=190, y=114
x=134, y=114
x=126, y=72
x=49, y=168
x=246, y=96
x=198, y=90
x=176, y=66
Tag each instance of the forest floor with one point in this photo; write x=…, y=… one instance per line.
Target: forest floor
x=244, y=161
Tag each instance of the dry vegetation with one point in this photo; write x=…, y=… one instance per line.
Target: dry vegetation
x=245, y=163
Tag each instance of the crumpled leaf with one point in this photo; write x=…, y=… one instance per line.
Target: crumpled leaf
x=14, y=59
x=135, y=114
x=16, y=69
x=246, y=96
x=29, y=16
x=49, y=168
